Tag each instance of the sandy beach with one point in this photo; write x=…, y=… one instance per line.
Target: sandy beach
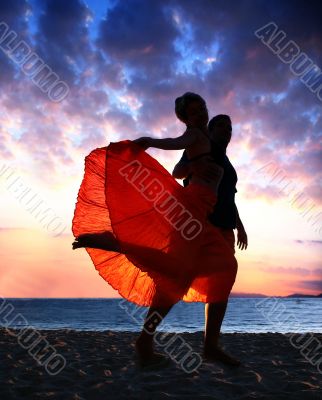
x=102, y=365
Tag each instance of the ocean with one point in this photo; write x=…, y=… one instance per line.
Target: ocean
x=257, y=315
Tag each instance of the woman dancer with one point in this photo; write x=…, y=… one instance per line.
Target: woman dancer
x=146, y=234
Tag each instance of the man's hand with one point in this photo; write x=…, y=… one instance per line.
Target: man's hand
x=242, y=241
x=144, y=142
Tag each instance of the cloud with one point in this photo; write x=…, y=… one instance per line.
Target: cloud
x=140, y=35
x=313, y=285
x=62, y=39
x=124, y=79
x=292, y=270
x=124, y=82
x=13, y=14
x=309, y=242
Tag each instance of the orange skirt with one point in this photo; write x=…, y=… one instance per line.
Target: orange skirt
x=170, y=251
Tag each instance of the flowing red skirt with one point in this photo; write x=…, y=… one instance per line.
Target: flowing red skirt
x=170, y=252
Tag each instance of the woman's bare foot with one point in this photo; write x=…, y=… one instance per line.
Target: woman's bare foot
x=103, y=241
x=216, y=353
x=147, y=357
x=144, y=346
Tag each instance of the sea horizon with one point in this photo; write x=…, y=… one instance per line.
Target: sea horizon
x=232, y=295
x=244, y=315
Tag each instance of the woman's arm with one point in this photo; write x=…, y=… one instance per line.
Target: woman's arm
x=181, y=142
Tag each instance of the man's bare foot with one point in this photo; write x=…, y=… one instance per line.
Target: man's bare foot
x=103, y=241
x=216, y=353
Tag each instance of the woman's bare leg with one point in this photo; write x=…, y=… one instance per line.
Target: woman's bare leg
x=155, y=315
x=214, y=315
x=103, y=241
x=144, y=343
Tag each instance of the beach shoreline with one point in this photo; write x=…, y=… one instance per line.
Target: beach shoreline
x=70, y=364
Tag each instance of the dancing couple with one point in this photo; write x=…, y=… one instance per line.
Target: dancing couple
x=157, y=242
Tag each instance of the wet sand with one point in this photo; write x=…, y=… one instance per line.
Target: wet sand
x=102, y=365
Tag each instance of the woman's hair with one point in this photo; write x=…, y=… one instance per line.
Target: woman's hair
x=182, y=102
x=216, y=119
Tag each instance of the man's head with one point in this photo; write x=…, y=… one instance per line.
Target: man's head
x=220, y=129
x=191, y=109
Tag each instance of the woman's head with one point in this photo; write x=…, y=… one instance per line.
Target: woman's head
x=191, y=109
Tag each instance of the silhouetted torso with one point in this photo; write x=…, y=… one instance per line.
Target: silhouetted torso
x=224, y=212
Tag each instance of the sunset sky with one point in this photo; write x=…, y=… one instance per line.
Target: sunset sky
x=124, y=63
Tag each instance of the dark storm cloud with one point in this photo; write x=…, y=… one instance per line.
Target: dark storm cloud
x=245, y=66
x=140, y=34
x=63, y=38
x=250, y=69
x=13, y=13
x=154, y=51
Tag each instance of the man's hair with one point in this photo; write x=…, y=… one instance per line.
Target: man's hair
x=216, y=119
x=182, y=102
